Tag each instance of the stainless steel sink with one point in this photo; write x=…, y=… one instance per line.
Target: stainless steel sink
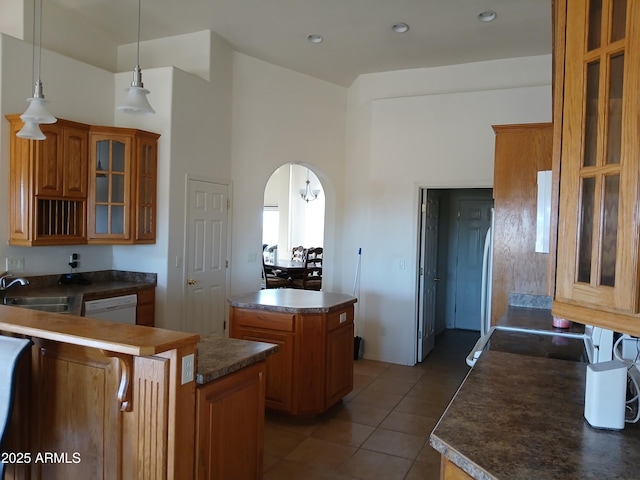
x=59, y=304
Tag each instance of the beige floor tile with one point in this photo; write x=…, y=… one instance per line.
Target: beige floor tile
x=429, y=455
x=369, y=367
x=302, y=426
x=403, y=372
x=408, y=423
x=421, y=407
x=367, y=465
x=278, y=443
x=313, y=451
x=377, y=399
x=343, y=432
x=362, y=414
x=361, y=381
x=395, y=443
x=390, y=385
x=423, y=471
x=268, y=461
x=285, y=470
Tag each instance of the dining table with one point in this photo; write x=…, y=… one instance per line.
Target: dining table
x=285, y=268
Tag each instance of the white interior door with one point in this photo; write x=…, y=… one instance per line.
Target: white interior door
x=206, y=265
x=428, y=280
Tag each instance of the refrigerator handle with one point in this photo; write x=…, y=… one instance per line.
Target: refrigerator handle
x=485, y=283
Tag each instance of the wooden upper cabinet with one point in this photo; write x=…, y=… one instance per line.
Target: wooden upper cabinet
x=122, y=185
x=82, y=184
x=598, y=242
x=48, y=184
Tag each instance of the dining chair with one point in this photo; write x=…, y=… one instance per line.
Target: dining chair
x=272, y=279
x=297, y=254
x=312, y=273
x=10, y=350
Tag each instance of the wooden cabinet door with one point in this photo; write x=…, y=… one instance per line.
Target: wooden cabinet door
x=146, y=307
x=279, y=386
x=339, y=380
x=598, y=240
x=75, y=386
x=48, y=162
x=230, y=426
x=145, y=189
x=110, y=186
x=75, y=144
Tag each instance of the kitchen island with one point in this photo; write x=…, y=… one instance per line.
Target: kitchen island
x=518, y=416
x=314, y=331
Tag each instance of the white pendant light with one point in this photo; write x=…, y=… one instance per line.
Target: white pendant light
x=36, y=112
x=136, y=102
x=31, y=130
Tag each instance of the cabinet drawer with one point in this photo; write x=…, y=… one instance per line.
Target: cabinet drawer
x=333, y=319
x=269, y=320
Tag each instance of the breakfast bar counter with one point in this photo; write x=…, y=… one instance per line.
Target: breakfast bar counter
x=521, y=417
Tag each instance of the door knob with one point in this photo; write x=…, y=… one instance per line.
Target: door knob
x=191, y=281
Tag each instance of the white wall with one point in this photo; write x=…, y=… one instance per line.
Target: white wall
x=67, y=84
x=435, y=132
x=193, y=117
x=279, y=117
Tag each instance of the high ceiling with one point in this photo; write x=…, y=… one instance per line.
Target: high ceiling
x=358, y=37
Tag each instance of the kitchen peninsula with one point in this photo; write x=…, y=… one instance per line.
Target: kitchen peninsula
x=113, y=396
x=313, y=368
x=518, y=416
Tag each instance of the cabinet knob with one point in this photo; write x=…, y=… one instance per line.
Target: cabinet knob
x=191, y=281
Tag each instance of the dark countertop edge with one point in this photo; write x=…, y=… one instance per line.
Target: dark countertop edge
x=222, y=356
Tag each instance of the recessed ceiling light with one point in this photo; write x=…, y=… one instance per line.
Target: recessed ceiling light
x=488, y=16
x=400, y=27
x=315, y=38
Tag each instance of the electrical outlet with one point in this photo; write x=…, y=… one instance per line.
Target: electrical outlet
x=15, y=264
x=343, y=317
x=188, y=373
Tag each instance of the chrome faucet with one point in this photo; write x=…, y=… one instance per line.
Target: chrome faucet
x=8, y=277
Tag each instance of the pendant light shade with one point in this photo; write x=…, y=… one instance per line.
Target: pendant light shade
x=136, y=102
x=36, y=112
x=31, y=130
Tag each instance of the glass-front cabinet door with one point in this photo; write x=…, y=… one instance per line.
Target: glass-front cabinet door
x=597, y=264
x=111, y=171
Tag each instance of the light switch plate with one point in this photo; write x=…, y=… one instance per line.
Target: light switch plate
x=188, y=373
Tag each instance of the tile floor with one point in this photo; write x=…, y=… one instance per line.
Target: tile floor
x=379, y=431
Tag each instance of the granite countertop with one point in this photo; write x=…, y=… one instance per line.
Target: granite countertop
x=103, y=284
x=519, y=414
x=519, y=417
x=291, y=300
x=221, y=356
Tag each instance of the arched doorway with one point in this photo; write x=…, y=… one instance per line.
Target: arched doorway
x=293, y=210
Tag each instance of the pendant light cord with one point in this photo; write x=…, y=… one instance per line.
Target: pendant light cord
x=40, y=41
x=138, y=48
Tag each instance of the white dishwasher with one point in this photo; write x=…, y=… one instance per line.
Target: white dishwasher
x=115, y=309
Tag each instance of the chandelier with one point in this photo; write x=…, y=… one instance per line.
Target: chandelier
x=306, y=193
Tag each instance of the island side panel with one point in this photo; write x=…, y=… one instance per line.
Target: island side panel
x=276, y=328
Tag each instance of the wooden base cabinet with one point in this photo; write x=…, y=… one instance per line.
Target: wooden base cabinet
x=230, y=426
x=313, y=368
